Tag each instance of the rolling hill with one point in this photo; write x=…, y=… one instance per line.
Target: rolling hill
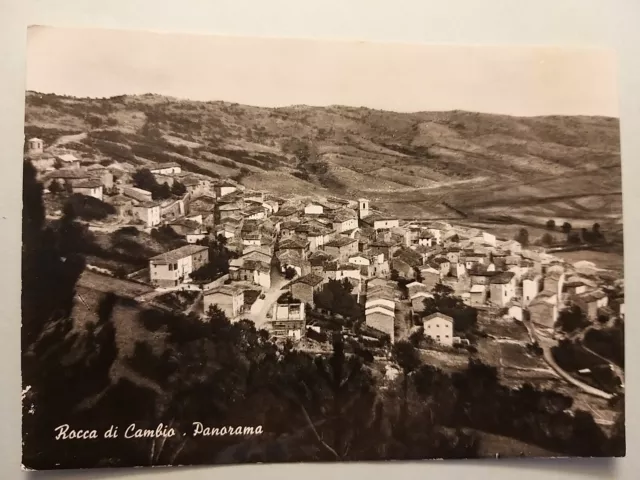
x=489, y=168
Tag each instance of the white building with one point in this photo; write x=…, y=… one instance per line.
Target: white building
x=90, y=188
x=439, y=327
x=35, y=146
x=166, y=168
x=224, y=189
x=385, y=223
x=313, y=209
x=174, y=267
x=148, y=213
x=530, y=288
x=363, y=208
x=288, y=320
x=382, y=319
x=137, y=194
x=228, y=299
x=380, y=302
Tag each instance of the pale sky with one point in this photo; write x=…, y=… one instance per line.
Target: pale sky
x=280, y=72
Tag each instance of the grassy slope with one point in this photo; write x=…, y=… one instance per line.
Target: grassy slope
x=527, y=168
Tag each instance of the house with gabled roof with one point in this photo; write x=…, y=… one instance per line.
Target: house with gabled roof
x=147, y=212
x=313, y=208
x=251, y=268
x=68, y=160
x=175, y=267
x=418, y=298
x=293, y=259
x=442, y=264
x=502, y=288
x=478, y=295
x=341, y=248
x=382, y=319
x=339, y=271
x=318, y=259
x=90, y=188
x=531, y=286
x=591, y=302
x=543, y=310
x=554, y=279
x=439, y=328
x=168, y=168
x=228, y=298
x=430, y=276
x=296, y=244
x=305, y=287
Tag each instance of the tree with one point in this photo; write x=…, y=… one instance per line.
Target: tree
x=523, y=237
x=551, y=224
x=90, y=208
x=218, y=264
x=566, y=227
x=407, y=358
x=547, y=239
x=336, y=297
x=144, y=179
x=596, y=233
x=417, y=274
x=290, y=273
x=465, y=318
x=216, y=315
x=394, y=275
x=161, y=192
x=178, y=188
x=94, y=121
x=571, y=319
x=55, y=187
x=574, y=238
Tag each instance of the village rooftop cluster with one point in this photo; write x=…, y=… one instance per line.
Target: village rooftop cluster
x=291, y=260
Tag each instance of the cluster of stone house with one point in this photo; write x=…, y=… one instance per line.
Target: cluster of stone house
x=324, y=239
x=113, y=184
x=380, y=305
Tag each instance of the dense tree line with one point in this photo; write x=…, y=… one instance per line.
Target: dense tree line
x=572, y=236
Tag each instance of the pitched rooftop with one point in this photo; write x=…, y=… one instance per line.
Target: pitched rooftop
x=177, y=254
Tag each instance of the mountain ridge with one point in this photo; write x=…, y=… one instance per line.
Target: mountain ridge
x=418, y=160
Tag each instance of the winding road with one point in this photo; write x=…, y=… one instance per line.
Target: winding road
x=547, y=344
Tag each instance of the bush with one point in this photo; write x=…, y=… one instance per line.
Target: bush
x=90, y=208
x=133, y=231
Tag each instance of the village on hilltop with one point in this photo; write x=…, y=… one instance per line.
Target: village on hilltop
x=304, y=267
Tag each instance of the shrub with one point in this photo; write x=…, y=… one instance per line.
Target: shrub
x=90, y=208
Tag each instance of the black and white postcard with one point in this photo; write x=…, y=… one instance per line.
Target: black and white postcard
x=240, y=250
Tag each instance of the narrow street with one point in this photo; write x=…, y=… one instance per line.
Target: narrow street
x=262, y=306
